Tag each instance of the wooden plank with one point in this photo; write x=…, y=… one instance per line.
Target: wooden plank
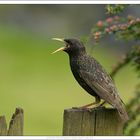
x=70, y=117
x=108, y=123
x=3, y=126
x=87, y=121
x=100, y=121
x=16, y=123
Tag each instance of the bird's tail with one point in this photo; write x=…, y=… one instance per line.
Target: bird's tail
x=122, y=111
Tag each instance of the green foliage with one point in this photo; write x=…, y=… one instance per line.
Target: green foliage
x=132, y=127
x=115, y=9
x=123, y=28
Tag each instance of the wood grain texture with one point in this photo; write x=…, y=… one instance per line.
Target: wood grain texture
x=99, y=122
x=3, y=126
x=16, y=123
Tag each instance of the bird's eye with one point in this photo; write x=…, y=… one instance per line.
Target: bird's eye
x=67, y=45
x=69, y=42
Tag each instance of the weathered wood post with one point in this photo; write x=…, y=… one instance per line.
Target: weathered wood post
x=99, y=122
x=15, y=126
x=16, y=123
x=3, y=126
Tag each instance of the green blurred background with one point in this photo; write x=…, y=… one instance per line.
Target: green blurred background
x=41, y=83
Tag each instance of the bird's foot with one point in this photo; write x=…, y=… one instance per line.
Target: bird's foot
x=75, y=107
x=92, y=106
x=95, y=108
x=84, y=108
x=81, y=108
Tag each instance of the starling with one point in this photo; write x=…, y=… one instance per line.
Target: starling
x=92, y=77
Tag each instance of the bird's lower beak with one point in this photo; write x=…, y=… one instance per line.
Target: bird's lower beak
x=60, y=49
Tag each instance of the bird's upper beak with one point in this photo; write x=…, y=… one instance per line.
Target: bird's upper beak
x=60, y=49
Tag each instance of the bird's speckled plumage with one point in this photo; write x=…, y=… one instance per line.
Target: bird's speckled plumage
x=92, y=76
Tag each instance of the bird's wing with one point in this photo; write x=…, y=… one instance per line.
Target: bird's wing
x=102, y=85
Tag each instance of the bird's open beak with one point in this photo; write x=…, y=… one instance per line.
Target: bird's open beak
x=60, y=49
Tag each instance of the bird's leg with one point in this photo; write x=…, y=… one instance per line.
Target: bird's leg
x=97, y=102
x=98, y=105
x=94, y=105
x=88, y=105
x=102, y=103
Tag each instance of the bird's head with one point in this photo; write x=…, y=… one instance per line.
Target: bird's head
x=72, y=46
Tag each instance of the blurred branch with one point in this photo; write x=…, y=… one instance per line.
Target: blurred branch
x=134, y=54
x=125, y=60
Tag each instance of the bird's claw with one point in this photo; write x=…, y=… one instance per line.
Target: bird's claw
x=75, y=107
x=96, y=108
x=82, y=108
x=88, y=109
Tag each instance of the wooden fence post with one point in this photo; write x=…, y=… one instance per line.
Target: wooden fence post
x=3, y=126
x=15, y=126
x=99, y=122
x=16, y=123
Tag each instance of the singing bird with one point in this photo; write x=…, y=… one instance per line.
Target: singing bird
x=92, y=76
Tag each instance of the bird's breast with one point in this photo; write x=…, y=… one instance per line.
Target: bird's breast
x=77, y=65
